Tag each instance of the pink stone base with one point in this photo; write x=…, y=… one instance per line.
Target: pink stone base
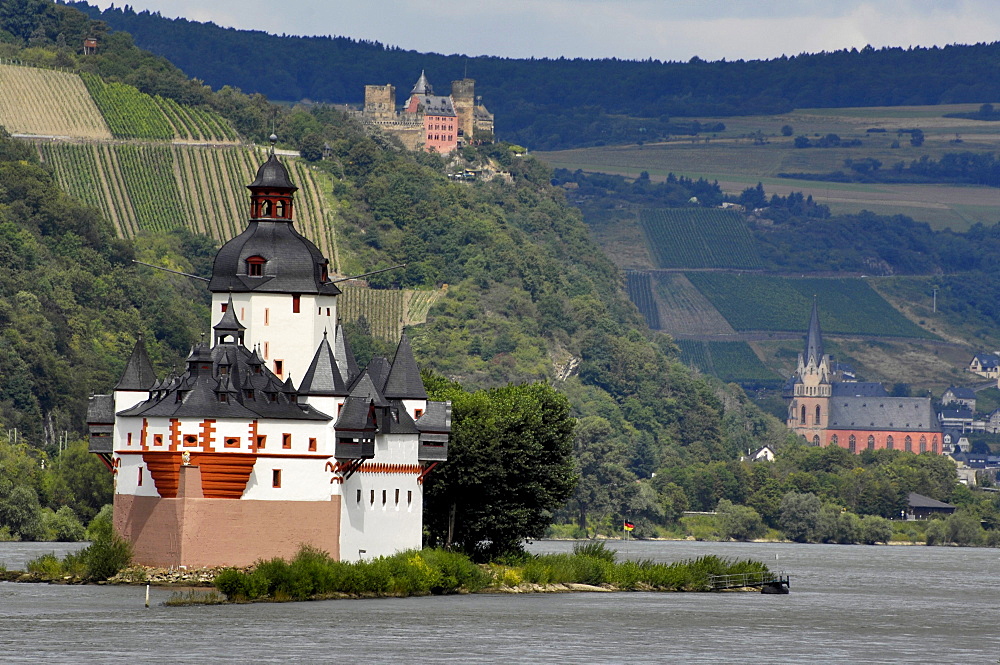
x=198, y=532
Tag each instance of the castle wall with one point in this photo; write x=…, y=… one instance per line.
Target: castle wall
x=463, y=97
x=199, y=532
x=380, y=102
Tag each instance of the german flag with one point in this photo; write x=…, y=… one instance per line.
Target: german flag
x=629, y=526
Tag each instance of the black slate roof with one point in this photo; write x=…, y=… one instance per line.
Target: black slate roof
x=398, y=420
x=356, y=415
x=857, y=389
x=437, y=105
x=101, y=410
x=138, y=374
x=225, y=382
x=346, y=363
x=902, y=414
x=377, y=371
x=323, y=376
x=293, y=263
x=436, y=418
x=272, y=175
x=404, y=380
x=962, y=393
x=814, y=338
x=422, y=86
x=915, y=500
x=988, y=360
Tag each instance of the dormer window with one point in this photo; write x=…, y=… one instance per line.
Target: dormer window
x=255, y=266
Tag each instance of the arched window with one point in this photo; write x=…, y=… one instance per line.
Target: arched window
x=852, y=444
x=255, y=266
x=934, y=446
x=923, y=444
x=816, y=440
x=871, y=442
x=889, y=443
x=833, y=440
x=908, y=444
x=265, y=209
x=279, y=209
x=803, y=421
x=817, y=414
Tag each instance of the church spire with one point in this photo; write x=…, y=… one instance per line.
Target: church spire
x=814, y=339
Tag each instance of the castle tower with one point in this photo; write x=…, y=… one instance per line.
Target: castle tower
x=463, y=96
x=809, y=410
x=380, y=102
x=293, y=300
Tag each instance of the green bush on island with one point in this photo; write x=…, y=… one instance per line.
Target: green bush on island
x=107, y=554
x=313, y=574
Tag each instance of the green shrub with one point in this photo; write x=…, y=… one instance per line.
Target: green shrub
x=104, y=557
x=596, y=549
x=47, y=565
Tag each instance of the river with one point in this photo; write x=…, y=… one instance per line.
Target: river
x=848, y=603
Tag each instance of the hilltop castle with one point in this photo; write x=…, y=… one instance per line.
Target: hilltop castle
x=829, y=408
x=427, y=121
x=230, y=462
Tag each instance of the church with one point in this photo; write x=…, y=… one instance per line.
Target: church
x=828, y=407
x=231, y=461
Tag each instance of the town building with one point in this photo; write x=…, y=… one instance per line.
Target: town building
x=435, y=123
x=827, y=410
x=963, y=398
x=986, y=365
x=231, y=461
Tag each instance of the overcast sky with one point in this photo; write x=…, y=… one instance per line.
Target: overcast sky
x=631, y=29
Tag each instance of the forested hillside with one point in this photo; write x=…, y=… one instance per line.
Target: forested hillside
x=550, y=104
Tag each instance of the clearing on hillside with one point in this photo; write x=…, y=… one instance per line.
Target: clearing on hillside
x=699, y=238
x=765, y=302
x=683, y=310
x=730, y=361
x=43, y=102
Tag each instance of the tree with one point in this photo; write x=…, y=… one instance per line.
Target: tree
x=786, y=130
x=917, y=138
x=509, y=467
x=800, y=515
x=738, y=522
x=874, y=529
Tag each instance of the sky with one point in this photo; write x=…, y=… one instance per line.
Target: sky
x=627, y=29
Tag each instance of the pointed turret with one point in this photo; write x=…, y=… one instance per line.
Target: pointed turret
x=814, y=339
x=138, y=374
x=323, y=376
x=229, y=330
x=422, y=86
x=346, y=363
x=404, y=377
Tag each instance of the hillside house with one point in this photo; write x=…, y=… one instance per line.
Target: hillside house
x=920, y=507
x=986, y=365
x=960, y=398
x=960, y=419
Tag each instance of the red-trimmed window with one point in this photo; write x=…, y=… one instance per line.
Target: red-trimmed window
x=140, y=476
x=190, y=440
x=255, y=266
x=157, y=439
x=261, y=441
x=286, y=440
x=232, y=442
x=296, y=303
x=312, y=444
x=225, y=306
x=276, y=478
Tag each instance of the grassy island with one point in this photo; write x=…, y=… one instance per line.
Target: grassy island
x=312, y=575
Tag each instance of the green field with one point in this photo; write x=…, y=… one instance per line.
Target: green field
x=752, y=150
x=729, y=361
x=640, y=291
x=764, y=302
x=699, y=238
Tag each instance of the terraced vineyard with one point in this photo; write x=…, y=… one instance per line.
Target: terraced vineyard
x=48, y=103
x=382, y=309
x=149, y=186
x=639, y=287
x=762, y=302
x=132, y=114
x=730, y=361
x=683, y=310
x=418, y=303
x=699, y=238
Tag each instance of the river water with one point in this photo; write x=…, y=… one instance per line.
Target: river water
x=847, y=604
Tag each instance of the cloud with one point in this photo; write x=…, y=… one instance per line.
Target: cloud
x=631, y=29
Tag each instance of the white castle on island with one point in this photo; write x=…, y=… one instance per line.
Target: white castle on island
x=230, y=462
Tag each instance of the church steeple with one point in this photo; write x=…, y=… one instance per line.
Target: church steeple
x=814, y=339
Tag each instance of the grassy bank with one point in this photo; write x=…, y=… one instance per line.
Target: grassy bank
x=314, y=575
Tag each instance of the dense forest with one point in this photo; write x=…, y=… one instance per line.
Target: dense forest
x=559, y=103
